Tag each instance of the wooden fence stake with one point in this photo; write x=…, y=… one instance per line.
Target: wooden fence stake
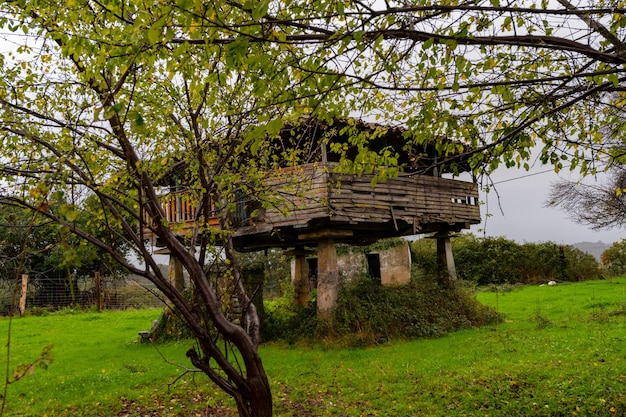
x=98, y=292
x=23, y=294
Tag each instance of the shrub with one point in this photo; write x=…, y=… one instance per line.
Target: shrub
x=490, y=260
x=286, y=321
x=614, y=259
x=368, y=313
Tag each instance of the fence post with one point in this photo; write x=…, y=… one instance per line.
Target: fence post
x=98, y=291
x=23, y=294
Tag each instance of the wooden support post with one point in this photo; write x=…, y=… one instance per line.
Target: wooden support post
x=300, y=275
x=98, y=285
x=301, y=281
x=23, y=293
x=327, y=277
x=446, y=271
x=175, y=274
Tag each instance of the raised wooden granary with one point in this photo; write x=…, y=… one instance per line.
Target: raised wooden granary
x=319, y=205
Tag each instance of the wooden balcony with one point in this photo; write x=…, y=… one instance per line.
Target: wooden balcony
x=312, y=201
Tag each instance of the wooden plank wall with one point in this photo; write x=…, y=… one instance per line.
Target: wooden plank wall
x=431, y=199
x=302, y=196
x=313, y=191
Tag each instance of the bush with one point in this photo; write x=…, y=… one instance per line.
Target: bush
x=490, y=260
x=368, y=313
x=614, y=259
x=286, y=321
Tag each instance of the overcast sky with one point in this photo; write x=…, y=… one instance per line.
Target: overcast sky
x=521, y=213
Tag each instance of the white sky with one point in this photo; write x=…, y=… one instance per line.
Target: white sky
x=521, y=213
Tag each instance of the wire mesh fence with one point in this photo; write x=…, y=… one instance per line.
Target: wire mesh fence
x=85, y=292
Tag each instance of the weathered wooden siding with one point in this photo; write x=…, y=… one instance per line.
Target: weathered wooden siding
x=429, y=199
x=313, y=192
x=302, y=195
x=312, y=196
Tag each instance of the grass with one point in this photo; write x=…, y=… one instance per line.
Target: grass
x=96, y=362
x=560, y=351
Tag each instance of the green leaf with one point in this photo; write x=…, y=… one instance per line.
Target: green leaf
x=274, y=126
x=154, y=34
x=254, y=146
x=71, y=215
x=260, y=10
x=506, y=25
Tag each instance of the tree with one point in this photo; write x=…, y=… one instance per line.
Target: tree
x=596, y=204
x=53, y=258
x=614, y=258
x=113, y=98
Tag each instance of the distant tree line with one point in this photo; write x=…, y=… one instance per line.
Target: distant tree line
x=497, y=260
x=54, y=259
x=614, y=259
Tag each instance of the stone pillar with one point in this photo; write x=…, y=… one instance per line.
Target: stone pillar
x=327, y=277
x=446, y=271
x=300, y=275
x=328, y=281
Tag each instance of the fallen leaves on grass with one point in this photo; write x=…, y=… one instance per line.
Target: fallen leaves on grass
x=197, y=405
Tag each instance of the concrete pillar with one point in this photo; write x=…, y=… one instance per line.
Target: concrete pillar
x=446, y=271
x=327, y=277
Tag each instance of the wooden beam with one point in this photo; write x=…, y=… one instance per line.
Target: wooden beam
x=298, y=252
x=302, y=289
x=326, y=234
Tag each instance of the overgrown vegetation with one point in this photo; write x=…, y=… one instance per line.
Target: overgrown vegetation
x=368, y=313
x=496, y=260
x=288, y=322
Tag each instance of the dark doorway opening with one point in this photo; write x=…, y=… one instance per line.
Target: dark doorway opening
x=373, y=266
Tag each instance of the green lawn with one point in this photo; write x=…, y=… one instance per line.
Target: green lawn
x=560, y=351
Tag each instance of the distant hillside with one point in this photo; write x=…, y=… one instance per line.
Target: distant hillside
x=592, y=248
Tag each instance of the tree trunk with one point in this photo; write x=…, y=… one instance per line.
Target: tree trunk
x=259, y=399
x=252, y=395
x=246, y=382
